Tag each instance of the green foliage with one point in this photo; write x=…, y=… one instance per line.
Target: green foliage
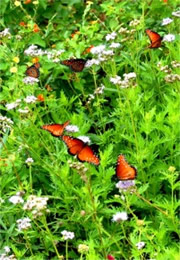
x=140, y=121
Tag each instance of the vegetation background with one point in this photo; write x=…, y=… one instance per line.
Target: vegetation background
x=139, y=120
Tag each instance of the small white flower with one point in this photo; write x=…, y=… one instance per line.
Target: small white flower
x=16, y=199
x=166, y=21
x=24, y=223
x=30, y=99
x=1, y=200
x=130, y=75
x=98, y=49
x=140, y=245
x=29, y=160
x=67, y=234
x=111, y=36
x=177, y=13
x=72, y=128
x=5, y=33
x=11, y=106
x=115, y=45
x=134, y=22
x=92, y=62
x=7, y=249
x=23, y=111
x=169, y=38
x=108, y=52
x=120, y=216
x=30, y=80
x=99, y=90
x=116, y=80
x=56, y=60
x=85, y=139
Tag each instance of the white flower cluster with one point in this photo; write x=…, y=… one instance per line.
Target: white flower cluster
x=30, y=99
x=34, y=51
x=13, y=105
x=83, y=249
x=97, y=91
x=166, y=21
x=125, y=32
x=125, y=185
x=140, y=245
x=102, y=54
x=5, y=123
x=23, y=111
x=134, y=23
x=111, y=36
x=67, y=235
x=37, y=205
x=120, y=216
x=23, y=223
x=168, y=38
x=16, y=199
x=175, y=64
x=5, y=33
x=30, y=80
x=177, y=13
x=72, y=128
x=126, y=82
x=29, y=160
x=53, y=55
x=172, y=77
x=5, y=256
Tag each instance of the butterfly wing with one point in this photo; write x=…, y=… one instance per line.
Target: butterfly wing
x=88, y=155
x=55, y=129
x=124, y=171
x=74, y=145
x=155, y=39
x=76, y=65
x=33, y=71
x=82, y=150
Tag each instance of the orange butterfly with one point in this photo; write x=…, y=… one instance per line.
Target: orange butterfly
x=56, y=129
x=76, y=65
x=33, y=71
x=155, y=39
x=83, y=151
x=124, y=171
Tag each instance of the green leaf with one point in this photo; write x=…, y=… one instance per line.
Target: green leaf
x=36, y=39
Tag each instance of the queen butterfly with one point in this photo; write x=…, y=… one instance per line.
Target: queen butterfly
x=56, y=129
x=76, y=65
x=33, y=71
x=155, y=39
x=83, y=151
x=123, y=170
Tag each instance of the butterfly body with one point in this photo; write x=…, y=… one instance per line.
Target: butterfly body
x=82, y=150
x=123, y=170
x=33, y=71
x=56, y=129
x=76, y=65
x=155, y=39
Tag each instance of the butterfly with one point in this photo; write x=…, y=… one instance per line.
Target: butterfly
x=155, y=39
x=83, y=151
x=33, y=71
x=76, y=65
x=124, y=171
x=56, y=129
